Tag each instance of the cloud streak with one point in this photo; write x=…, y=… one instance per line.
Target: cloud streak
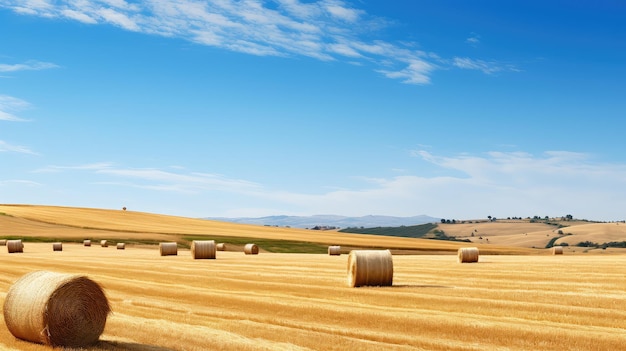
x=498, y=184
x=487, y=67
x=326, y=30
x=473, y=40
x=9, y=105
x=6, y=147
x=26, y=66
x=158, y=179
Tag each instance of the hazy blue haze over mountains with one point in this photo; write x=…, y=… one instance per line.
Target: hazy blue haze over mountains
x=331, y=220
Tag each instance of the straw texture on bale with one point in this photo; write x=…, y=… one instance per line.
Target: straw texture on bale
x=121, y=246
x=468, y=254
x=370, y=268
x=87, y=242
x=104, y=243
x=251, y=249
x=334, y=250
x=221, y=247
x=3, y=242
x=203, y=249
x=57, y=247
x=56, y=309
x=14, y=246
x=168, y=249
x=557, y=250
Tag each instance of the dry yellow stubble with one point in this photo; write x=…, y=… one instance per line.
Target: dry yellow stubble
x=301, y=302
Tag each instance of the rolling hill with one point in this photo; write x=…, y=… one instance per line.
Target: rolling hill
x=331, y=221
x=514, y=298
x=502, y=236
x=76, y=224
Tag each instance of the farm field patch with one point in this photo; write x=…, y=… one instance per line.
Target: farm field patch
x=284, y=301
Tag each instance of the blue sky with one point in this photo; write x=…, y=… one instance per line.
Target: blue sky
x=453, y=109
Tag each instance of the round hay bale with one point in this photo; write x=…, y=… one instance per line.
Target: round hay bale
x=57, y=247
x=370, y=268
x=3, y=242
x=468, y=254
x=56, y=309
x=557, y=250
x=334, y=250
x=87, y=242
x=104, y=243
x=14, y=246
x=220, y=247
x=203, y=249
x=121, y=246
x=168, y=249
x=251, y=249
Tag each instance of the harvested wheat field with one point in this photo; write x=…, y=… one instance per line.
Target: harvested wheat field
x=528, y=300
x=302, y=301
x=69, y=223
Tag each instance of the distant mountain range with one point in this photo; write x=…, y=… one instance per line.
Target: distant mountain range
x=331, y=221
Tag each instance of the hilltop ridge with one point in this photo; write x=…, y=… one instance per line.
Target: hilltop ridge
x=331, y=221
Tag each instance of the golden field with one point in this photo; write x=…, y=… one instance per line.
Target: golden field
x=521, y=233
x=525, y=300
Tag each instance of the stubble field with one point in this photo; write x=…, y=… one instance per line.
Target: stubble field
x=302, y=302
x=288, y=301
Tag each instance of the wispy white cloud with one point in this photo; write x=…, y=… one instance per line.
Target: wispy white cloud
x=344, y=49
x=473, y=40
x=499, y=184
x=468, y=186
x=9, y=105
x=6, y=147
x=21, y=182
x=26, y=66
x=417, y=72
x=173, y=179
x=86, y=167
x=118, y=18
x=30, y=7
x=324, y=29
x=78, y=16
x=338, y=10
x=487, y=67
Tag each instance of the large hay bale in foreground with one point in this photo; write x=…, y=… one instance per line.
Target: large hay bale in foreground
x=203, y=249
x=370, y=268
x=334, y=250
x=57, y=247
x=251, y=249
x=168, y=249
x=87, y=242
x=14, y=246
x=468, y=254
x=557, y=250
x=220, y=247
x=56, y=309
x=3, y=242
x=121, y=246
x=104, y=243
